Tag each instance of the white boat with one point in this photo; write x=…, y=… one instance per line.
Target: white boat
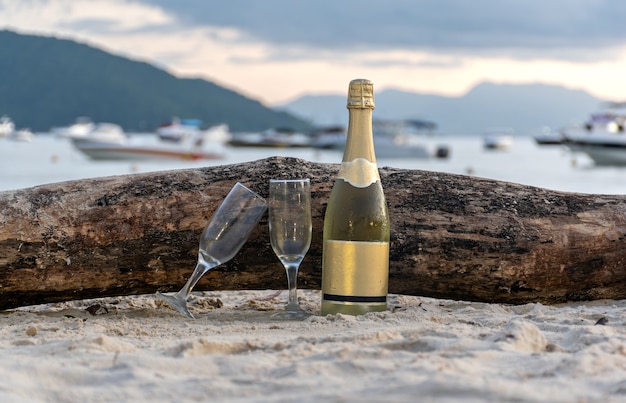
x=138, y=152
x=6, y=126
x=606, y=123
x=276, y=138
x=498, y=139
x=331, y=137
x=108, y=142
x=603, y=149
x=178, y=130
x=25, y=135
x=403, y=146
x=103, y=133
x=405, y=139
x=549, y=137
x=216, y=134
x=392, y=139
x=79, y=129
x=602, y=138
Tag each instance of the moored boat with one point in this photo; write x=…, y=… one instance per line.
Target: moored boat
x=24, y=135
x=498, y=139
x=139, y=152
x=109, y=142
x=549, y=137
x=599, y=124
x=392, y=139
x=178, y=130
x=276, y=138
x=406, y=139
x=407, y=147
x=329, y=137
x=103, y=133
x=79, y=129
x=6, y=126
x=603, y=149
x=602, y=138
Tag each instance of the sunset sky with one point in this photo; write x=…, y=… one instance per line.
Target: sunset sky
x=277, y=50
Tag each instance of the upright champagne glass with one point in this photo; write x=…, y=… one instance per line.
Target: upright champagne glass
x=229, y=228
x=290, y=233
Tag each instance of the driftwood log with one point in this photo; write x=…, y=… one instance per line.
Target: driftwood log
x=453, y=236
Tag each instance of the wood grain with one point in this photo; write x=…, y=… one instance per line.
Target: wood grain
x=453, y=236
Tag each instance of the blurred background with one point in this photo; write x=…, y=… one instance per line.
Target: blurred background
x=526, y=91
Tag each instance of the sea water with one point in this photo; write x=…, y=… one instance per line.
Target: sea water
x=49, y=159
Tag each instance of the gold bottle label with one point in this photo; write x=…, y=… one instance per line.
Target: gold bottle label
x=359, y=172
x=355, y=271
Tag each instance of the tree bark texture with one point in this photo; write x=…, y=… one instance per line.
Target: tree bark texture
x=453, y=236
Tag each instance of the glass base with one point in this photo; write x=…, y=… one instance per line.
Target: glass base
x=176, y=302
x=291, y=314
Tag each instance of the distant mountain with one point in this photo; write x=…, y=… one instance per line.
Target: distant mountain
x=47, y=82
x=524, y=107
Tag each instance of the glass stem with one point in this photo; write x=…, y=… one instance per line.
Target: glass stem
x=197, y=274
x=292, y=276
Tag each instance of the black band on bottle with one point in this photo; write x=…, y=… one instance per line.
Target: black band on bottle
x=353, y=298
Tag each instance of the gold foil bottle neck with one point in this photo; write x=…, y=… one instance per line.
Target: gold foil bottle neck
x=361, y=94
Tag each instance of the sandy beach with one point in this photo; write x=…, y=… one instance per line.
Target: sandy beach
x=422, y=349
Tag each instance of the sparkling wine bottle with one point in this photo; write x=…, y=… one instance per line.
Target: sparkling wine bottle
x=355, y=268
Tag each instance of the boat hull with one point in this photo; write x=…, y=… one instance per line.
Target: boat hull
x=498, y=142
x=98, y=151
x=603, y=150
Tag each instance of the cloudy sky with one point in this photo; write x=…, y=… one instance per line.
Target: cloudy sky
x=277, y=50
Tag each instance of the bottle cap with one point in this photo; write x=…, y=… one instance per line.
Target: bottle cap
x=361, y=94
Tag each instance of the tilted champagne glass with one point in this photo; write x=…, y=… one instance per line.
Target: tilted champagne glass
x=290, y=233
x=229, y=228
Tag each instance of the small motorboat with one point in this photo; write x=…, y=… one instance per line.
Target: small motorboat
x=498, y=139
x=109, y=142
x=103, y=133
x=392, y=139
x=6, y=126
x=330, y=137
x=603, y=149
x=137, y=152
x=387, y=147
x=276, y=138
x=24, y=135
x=178, y=130
x=602, y=138
x=79, y=129
x=548, y=137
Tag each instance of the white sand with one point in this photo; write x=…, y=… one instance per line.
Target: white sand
x=421, y=350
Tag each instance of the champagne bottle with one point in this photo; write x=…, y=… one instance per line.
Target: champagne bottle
x=355, y=267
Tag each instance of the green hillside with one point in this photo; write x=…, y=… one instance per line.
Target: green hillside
x=47, y=82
